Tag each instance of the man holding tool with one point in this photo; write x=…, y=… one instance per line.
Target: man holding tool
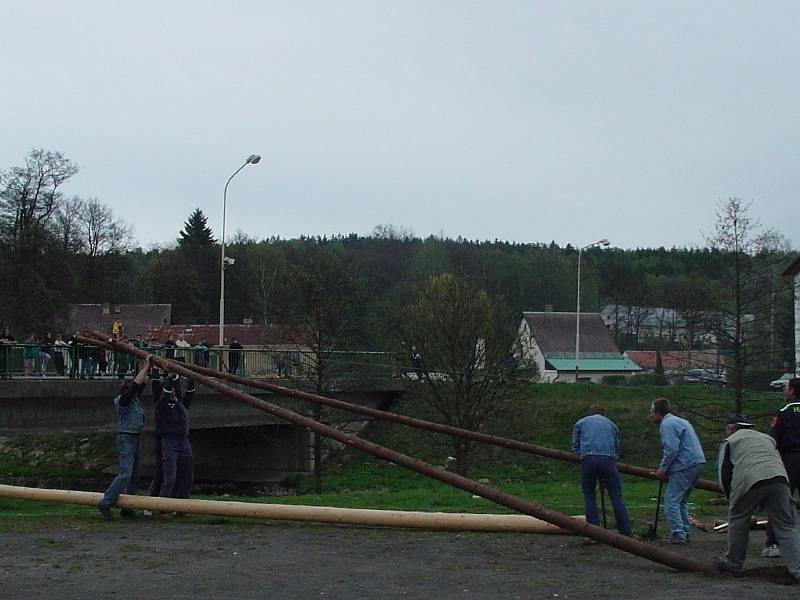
x=595, y=439
x=682, y=460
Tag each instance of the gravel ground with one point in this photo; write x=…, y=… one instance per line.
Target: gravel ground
x=200, y=557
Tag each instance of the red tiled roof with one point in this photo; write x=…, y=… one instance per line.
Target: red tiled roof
x=248, y=335
x=676, y=360
x=555, y=332
x=136, y=318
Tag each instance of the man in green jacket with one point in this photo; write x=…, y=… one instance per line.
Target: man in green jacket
x=752, y=474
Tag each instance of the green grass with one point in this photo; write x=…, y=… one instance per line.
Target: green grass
x=541, y=414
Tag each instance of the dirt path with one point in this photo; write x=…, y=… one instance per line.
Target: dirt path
x=204, y=558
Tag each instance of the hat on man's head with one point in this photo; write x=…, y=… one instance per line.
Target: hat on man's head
x=738, y=420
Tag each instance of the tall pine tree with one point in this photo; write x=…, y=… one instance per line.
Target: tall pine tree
x=196, y=231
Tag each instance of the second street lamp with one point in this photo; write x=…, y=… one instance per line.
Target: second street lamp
x=253, y=159
x=604, y=242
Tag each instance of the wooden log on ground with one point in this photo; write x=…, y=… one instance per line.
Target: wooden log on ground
x=287, y=512
x=656, y=554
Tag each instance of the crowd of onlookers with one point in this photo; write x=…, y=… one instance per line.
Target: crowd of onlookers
x=77, y=360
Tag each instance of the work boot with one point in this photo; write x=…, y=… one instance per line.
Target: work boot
x=724, y=569
x=105, y=511
x=772, y=551
x=674, y=540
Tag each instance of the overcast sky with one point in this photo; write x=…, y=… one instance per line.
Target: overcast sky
x=527, y=121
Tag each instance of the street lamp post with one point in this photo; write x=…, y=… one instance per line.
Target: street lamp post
x=604, y=242
x=253, y=159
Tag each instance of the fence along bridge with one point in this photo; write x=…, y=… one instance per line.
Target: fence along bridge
x=231, y=441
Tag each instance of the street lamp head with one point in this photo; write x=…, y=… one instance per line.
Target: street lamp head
x=253, y=159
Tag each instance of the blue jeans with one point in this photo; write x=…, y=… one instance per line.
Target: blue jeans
x=603, y=468
x=127, y=480
x=680, y=486
x=88, y=367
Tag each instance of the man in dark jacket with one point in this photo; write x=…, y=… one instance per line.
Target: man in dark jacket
x=130, y=421
x=752, y=475
x=172, y=429
x=785, y=428
x=234, y=355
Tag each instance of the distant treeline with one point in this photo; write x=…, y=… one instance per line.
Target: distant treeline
x=55, y=251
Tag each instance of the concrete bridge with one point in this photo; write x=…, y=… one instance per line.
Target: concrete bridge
x=232, y=441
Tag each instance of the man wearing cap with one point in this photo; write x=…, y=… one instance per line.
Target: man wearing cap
x=752, y=475
x=595, y=439
x=130, y=421
x=172, y=429
x=785, y=428
x=682, y=459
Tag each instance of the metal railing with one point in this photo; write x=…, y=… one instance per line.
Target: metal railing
x=89, y=362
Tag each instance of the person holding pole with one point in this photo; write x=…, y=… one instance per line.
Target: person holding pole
x=682, y=459
x=595, y=439
x=130, y=422
x=172, y=429
x=752, y=475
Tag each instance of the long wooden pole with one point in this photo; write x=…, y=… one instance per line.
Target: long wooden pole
x=628, y=544
x=476, y=436
x=288, y=512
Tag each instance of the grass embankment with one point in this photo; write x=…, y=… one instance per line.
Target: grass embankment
x=542, y=414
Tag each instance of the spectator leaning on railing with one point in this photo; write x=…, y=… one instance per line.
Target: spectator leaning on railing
x=45, y=350
x=29, y=354
x=59, y=347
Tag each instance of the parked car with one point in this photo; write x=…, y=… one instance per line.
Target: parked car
x=780, y=382
x=704, y=376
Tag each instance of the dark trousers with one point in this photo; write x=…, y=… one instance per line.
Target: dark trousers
x=58, y=357
x=158, y=472
x=791, y=460
x=603, y=468
x=177, y=465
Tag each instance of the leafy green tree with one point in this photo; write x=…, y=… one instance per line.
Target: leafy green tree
x=461, y=344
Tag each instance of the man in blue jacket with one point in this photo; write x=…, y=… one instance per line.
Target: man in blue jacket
x=682, y=460
x=130, y=421
x=595, y=439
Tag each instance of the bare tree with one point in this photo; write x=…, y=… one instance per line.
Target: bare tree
x=752, y=253
x=318, y=309
x=30, y=194
x=65, y=224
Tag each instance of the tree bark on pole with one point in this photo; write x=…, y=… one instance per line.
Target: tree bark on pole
x=627, y=544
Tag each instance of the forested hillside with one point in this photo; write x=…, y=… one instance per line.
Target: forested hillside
x=56, y=250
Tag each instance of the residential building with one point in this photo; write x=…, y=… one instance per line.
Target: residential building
x=548, y=341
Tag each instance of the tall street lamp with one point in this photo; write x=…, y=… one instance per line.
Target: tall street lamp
x=253, y=159
x=604, y=242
